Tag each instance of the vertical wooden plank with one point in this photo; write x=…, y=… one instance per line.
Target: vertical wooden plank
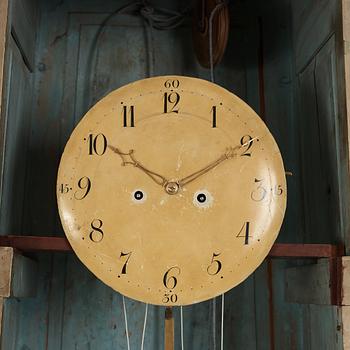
x=56, y=295
x=279, y=105
x=292, y=329
x=343, y=65
x=327, y=107
x=25, y=319
x=17, y=123
x=313, y=24
x=317, y=218
x=3, y=38
x=240, y=324
x=41, y=218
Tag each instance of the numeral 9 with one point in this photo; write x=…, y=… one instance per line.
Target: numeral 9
x=84, y=184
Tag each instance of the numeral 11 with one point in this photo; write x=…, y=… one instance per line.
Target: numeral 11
x=125, y=116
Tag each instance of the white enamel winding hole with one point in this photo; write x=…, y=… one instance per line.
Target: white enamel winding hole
x=203, y=199
x=138, y=196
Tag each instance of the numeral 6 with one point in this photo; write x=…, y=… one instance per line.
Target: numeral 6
x=169, y=279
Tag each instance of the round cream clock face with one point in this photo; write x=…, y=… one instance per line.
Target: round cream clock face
x=171, y=190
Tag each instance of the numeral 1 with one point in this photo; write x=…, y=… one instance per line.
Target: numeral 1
x=131, y=122
x=245, y=231
x=214, y=116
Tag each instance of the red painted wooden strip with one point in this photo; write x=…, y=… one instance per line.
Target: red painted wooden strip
x=306, y=250
x=36, y=243
x=61, y=244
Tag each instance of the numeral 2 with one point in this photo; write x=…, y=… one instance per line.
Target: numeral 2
x=126, y=115
x=246, y=142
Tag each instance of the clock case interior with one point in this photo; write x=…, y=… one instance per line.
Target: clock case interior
x=283, y=58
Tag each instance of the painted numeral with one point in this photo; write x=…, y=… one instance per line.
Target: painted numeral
x=244, y=232
x=259, y=193
x=169, y=279
x=129, y=117
x=172, y=84
x=213, y=110
x=84, y=184
x=246, y=143
x=123, y=255
x=97, y=144
x=170, y=102
x=215, y=265
x=169, y=298
x=96, y=235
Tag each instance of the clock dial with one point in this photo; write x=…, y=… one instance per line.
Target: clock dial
x=171, y=190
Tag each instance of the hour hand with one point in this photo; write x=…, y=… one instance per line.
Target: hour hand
x=128, y=158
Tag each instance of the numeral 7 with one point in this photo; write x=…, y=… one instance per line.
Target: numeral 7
x=126, y=261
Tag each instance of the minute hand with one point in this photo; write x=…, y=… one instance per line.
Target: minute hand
x=231, y=152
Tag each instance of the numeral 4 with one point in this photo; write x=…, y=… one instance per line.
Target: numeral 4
x=244, y=232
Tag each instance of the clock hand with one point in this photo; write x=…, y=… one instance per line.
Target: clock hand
x=231, y=152
x=157, y=178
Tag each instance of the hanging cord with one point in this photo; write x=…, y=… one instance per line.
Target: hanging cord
x=182, y=328
x=144, y=327
x=222, y=320
x=214, y=323
x=126, y=324
x=156, y=17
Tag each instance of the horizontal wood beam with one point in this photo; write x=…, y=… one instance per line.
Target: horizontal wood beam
x=279, y=250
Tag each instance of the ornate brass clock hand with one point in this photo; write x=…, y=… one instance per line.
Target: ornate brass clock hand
x=157, y=178
x=231, y=152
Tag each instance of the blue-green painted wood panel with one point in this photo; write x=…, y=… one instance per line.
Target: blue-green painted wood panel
x=73, y=310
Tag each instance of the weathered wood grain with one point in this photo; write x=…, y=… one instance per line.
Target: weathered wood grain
x=26, y=12
x=17, y=274
x=6, y=258
x=313, y=24
x=309, y=284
